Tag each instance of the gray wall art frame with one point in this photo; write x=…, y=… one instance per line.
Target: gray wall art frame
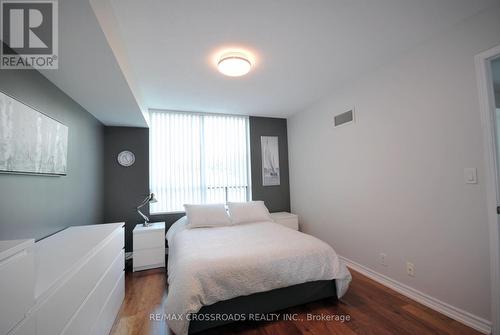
x=30, y=141
x=270, y=160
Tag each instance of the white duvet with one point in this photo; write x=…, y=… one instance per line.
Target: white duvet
x=207, y=265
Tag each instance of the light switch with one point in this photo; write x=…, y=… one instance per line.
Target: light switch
x=470, y=175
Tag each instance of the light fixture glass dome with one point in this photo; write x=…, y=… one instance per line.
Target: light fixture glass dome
x=234, y=64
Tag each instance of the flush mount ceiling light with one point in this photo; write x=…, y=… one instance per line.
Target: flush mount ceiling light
x=234, y=64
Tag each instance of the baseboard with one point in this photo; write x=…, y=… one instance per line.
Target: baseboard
x=473, y=321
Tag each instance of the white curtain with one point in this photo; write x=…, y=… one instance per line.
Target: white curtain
x=197, y=158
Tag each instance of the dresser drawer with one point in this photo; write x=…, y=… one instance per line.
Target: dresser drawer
x=25, y=327
x=84, y=319
x=17, y=283
x=110, y=309
x=149, y=240
x=59, y=307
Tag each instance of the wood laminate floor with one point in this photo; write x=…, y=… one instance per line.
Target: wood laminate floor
x=372, y=308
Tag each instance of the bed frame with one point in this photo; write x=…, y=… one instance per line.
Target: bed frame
x=266, y=302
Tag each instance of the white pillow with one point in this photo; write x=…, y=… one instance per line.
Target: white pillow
x=206, y=216
x=252, y=211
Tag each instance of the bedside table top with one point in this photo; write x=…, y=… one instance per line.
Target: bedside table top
x=139, y=228
x=282, y=215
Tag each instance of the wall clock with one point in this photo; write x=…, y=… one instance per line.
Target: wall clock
x=126, y=158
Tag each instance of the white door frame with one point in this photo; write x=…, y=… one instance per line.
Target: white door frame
x=488, y=119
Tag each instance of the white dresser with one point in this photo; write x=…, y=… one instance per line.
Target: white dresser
x=78, y=282
x=149, y=246
x=286, y=219
x=17, y=282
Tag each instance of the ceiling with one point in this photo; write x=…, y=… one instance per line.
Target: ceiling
x=88, y=69
x=121, y=57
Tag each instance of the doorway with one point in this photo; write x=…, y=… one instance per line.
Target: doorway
x=488, y=81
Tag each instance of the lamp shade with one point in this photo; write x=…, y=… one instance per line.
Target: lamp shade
x=152, y=198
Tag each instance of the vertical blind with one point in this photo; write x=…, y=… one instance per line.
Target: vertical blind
x=197, y=158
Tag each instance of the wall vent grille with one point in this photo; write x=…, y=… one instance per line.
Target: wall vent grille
x=344, y=118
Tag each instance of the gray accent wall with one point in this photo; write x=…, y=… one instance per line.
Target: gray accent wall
x=34, y=206
x=495, y=67
x=276, y=198
x=126, y=187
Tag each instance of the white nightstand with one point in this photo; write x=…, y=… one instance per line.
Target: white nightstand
x=286, y=219
x=149, y=246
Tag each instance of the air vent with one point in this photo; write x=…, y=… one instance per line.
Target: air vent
x=344, y=118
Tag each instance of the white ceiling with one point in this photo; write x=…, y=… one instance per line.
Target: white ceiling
x=165, y=50
x=88, y=70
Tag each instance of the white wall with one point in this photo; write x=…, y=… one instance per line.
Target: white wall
x=393, y=182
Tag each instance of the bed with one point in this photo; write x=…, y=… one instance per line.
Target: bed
x=256, y=267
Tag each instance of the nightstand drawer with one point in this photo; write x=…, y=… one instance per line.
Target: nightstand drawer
x=149, y=246
x=149, y=258
x=149, y=240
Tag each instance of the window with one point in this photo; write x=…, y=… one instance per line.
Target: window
x=197, y=158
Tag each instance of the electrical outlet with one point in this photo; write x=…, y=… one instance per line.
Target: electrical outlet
x=382, y=259
x=410, y=269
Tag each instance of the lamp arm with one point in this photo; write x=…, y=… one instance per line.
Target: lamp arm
x=142, y=215
x=144, y=202
x=142, y=205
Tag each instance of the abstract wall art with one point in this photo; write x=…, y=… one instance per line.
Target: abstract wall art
x=30, y=141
